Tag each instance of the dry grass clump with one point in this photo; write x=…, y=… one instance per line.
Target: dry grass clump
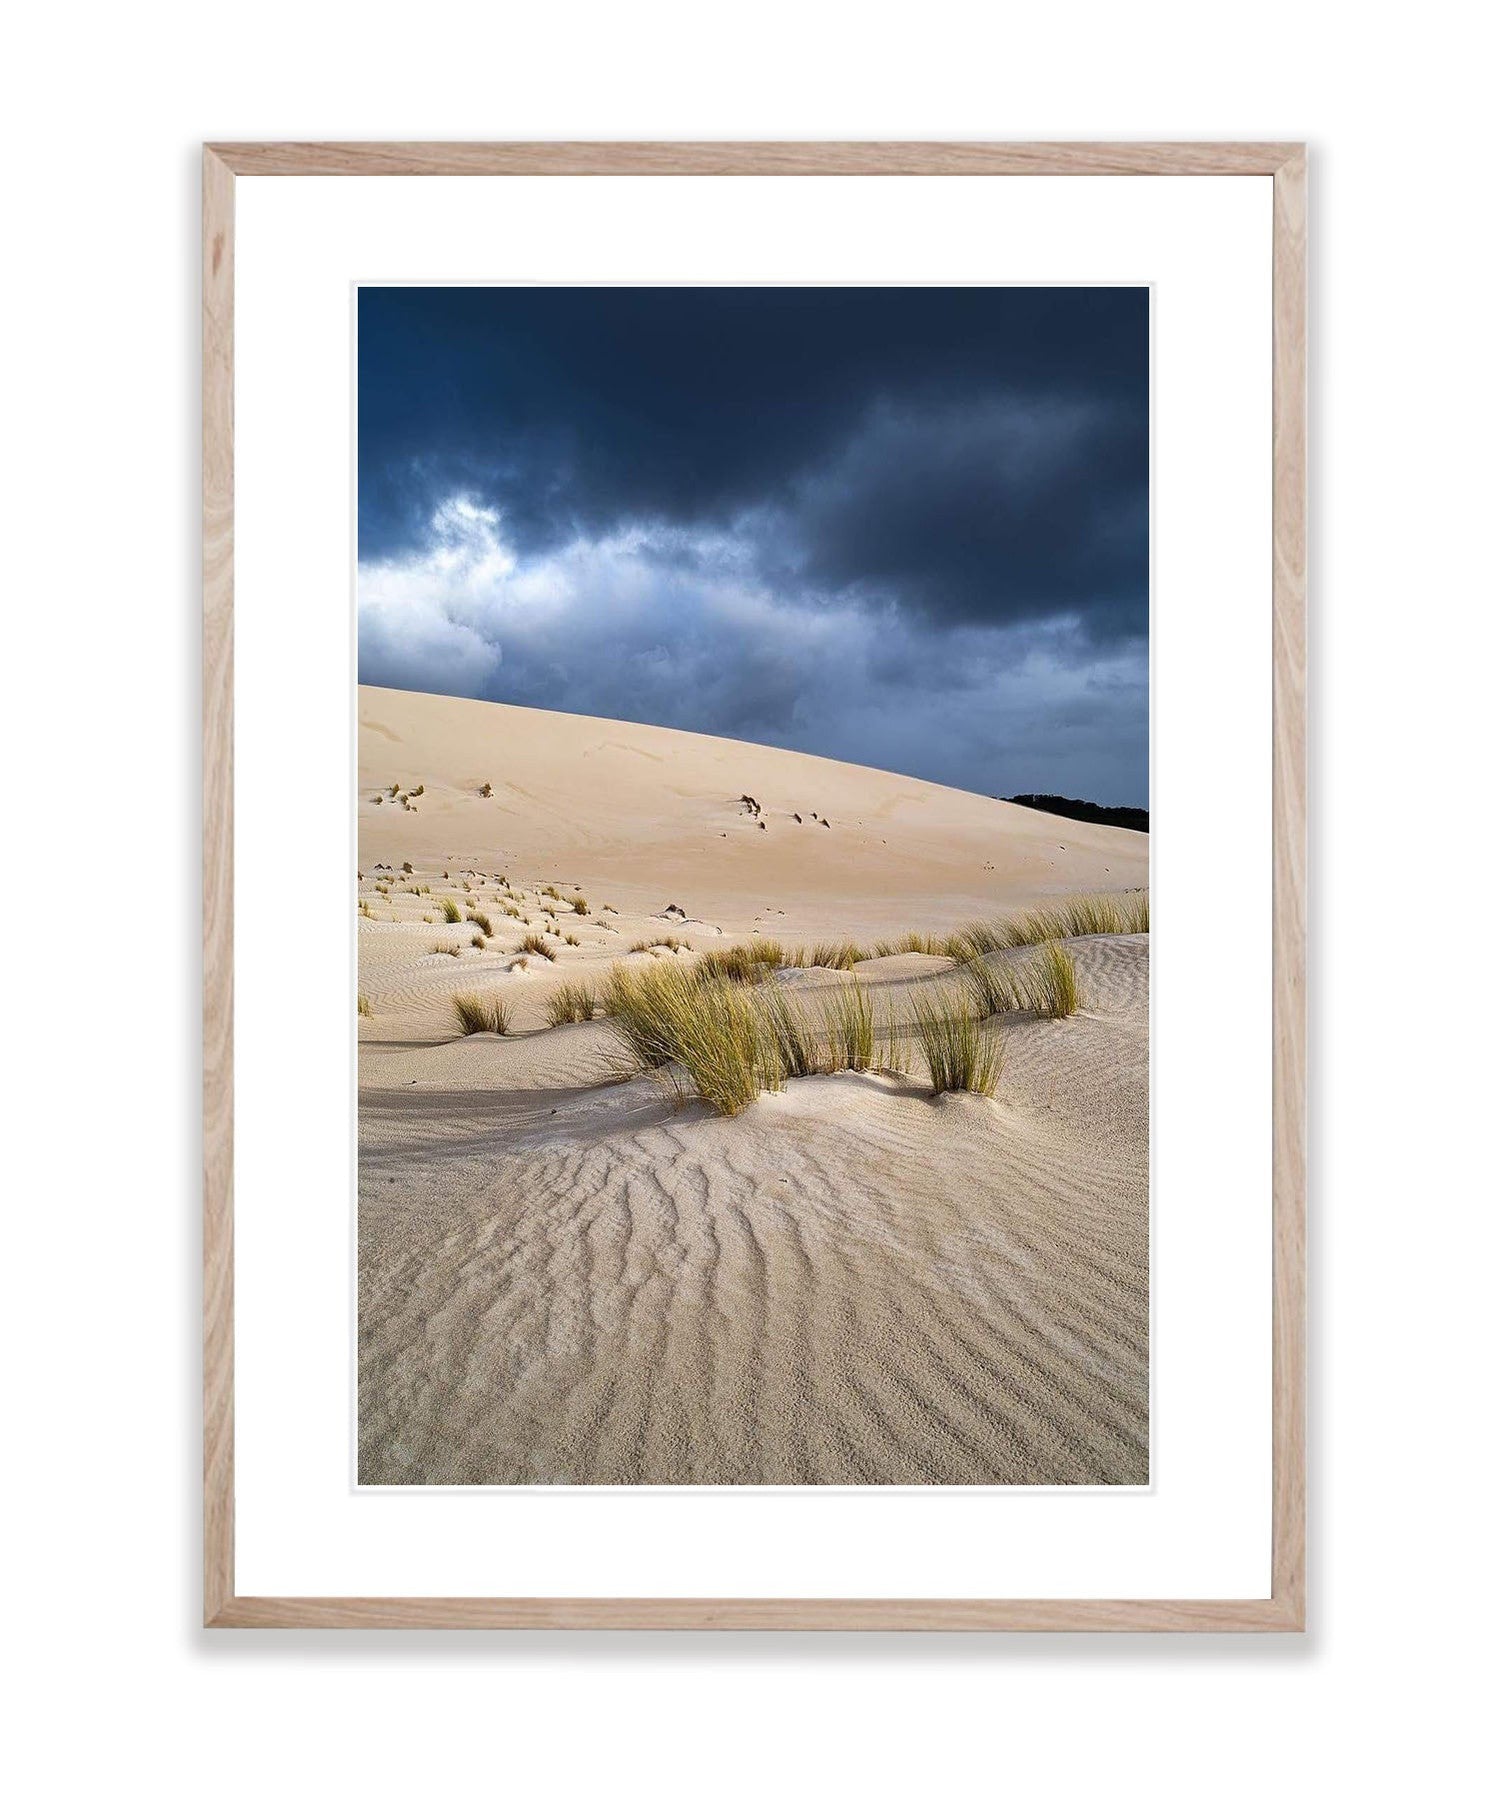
x=574, y=1002
x=994, y=987
x=728, y=1041
x=576, y=942
x=479, y=1012
x=579, y=905
x=835, y=955
x=482, y=920
x=848, y=1021
x=479, y=940
x=1081, y=915
x=649, y=943
x=792, y=1041
x=366, y=1010
x=538, y=946
x=451, y=912
x=746, y=963
x=1045, y=984
x=914, y=943
x=1052, y=982
x=961, y=1057
x=446, y=948
x=711, y=1033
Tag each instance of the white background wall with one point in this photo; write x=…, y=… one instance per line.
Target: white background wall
x=104, y=108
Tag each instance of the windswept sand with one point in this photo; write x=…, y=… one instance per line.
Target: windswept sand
x=565, y=1278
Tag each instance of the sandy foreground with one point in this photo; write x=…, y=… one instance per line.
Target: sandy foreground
x=569, y=1278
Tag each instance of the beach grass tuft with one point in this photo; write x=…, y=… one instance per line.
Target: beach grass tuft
x=835, y=955
x=1051, y=980
x=961, y=1057
x=451, y=912
x=574, y=1002
x=746, y=963
x=479, y=1012
x=534, y=945
x=848, y=1022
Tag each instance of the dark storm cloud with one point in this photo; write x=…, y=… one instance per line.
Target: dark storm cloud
x=905, y=526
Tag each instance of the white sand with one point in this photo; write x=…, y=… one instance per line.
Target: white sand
x=564, y=1279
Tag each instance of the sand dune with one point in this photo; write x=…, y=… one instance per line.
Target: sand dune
x=569, y=1278
x=657, y=816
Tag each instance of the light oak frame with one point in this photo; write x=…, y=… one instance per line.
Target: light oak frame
x=1285, y=164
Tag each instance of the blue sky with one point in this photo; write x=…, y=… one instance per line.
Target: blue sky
x=901, y=526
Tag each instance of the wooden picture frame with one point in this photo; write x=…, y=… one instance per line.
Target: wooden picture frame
x=1285, y=163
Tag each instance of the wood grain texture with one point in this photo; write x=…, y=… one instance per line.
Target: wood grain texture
x=1285, y=1609
x=753, y=159
x=1113, y=1615
x=1288, y=828
x=218, y=885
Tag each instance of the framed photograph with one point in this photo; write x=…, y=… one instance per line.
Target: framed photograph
x=754, y=886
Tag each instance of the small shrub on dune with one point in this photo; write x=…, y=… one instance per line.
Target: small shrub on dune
x=576, y=942
x=366, y=1010
x=447, y=949
x=574, y=1002
x=645, y=944
x=538, y=946
x=579, y=905
x=478, y=940
x=961, y=1057
x=479, y=1012
x=451, y=912
x=482, y=920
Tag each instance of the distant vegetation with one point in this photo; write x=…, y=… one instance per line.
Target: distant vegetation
x=1129, y=818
